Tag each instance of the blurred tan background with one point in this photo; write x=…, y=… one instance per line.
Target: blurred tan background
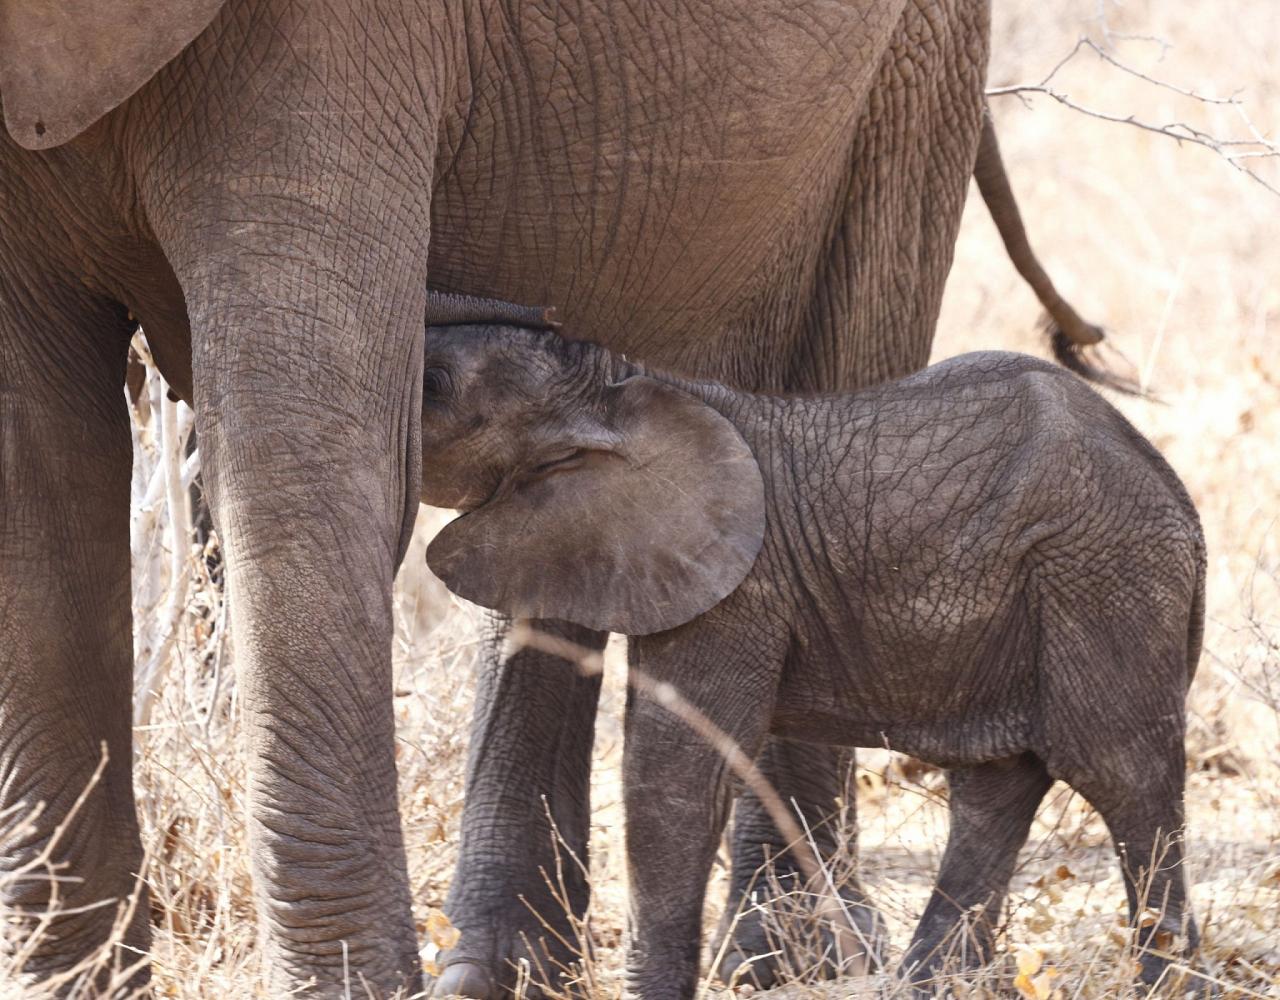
x=1174, y=252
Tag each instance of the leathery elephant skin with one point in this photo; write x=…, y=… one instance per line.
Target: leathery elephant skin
x=765, y=193
x=982, y=565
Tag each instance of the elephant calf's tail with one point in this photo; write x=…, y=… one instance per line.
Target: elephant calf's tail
x=1069, y=333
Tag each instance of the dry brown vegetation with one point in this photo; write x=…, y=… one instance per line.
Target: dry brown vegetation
x=1174, y=252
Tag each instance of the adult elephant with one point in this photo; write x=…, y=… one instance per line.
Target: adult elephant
x=766, y=193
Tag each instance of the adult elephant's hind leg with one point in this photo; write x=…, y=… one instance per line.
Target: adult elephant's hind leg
x=529, y=758
x=767, y=936
x=66, y=650
x=992, y=806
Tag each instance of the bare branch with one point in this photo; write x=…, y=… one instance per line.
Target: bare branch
x=1107, y=57
x=1237, y=153
x=1100, y=18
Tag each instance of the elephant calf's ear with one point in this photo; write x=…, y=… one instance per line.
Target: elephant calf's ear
x=634, y=540
x=65, y=64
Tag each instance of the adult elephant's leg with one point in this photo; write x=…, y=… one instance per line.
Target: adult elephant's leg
x=813, y=778
x=302, y=265
x=307, y=414
x=66, y=650
x=288, y=176
x=529, y=758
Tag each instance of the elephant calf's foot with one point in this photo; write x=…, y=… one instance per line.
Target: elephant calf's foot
x=776, y=935
x=1159, y=947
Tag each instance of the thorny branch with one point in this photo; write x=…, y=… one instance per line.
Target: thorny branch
x=1237, y=152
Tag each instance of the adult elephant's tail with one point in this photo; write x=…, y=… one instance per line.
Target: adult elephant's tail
x=1069, y=333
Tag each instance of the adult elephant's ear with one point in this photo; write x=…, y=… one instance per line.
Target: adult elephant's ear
x=635, y=537
x=66, y=63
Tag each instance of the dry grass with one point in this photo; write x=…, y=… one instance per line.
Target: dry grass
x=1175, y=253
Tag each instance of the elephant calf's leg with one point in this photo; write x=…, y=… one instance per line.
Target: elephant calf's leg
x=992, y=806
x=677, y=796
x=1141, y=802
x=678, y=785
x=66, y=651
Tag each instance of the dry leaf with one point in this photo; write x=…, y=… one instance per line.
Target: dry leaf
x=1028, y=983
x=442, y=933
x=1029, y=961
x=1041, y=921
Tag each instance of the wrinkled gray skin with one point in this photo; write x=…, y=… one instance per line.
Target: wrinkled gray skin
x=982, y=565
x=764, y=193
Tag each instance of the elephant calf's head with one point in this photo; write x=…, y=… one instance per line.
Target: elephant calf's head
x=590, y=492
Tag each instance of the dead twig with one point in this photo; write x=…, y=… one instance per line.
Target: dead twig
x=1238, y=153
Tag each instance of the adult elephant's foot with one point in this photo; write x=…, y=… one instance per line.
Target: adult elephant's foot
x=521, y=877
x=778, y=932
x=466, y=979
x=774, y=927
x=499, y=948
x=491, y=961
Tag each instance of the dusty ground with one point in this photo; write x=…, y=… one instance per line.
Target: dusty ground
x=1173, y=251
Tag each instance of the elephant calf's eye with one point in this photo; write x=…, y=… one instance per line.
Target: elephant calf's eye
x=436, y=384
x=570, y=458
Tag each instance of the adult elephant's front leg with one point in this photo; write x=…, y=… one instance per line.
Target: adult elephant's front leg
x=307, y=363
x=529, y=760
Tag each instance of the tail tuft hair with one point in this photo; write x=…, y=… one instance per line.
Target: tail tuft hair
x=1083, y=361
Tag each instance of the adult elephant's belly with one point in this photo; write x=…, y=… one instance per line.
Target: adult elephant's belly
x=671, y=202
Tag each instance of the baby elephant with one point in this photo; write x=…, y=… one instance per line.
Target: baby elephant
x=982, y=565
